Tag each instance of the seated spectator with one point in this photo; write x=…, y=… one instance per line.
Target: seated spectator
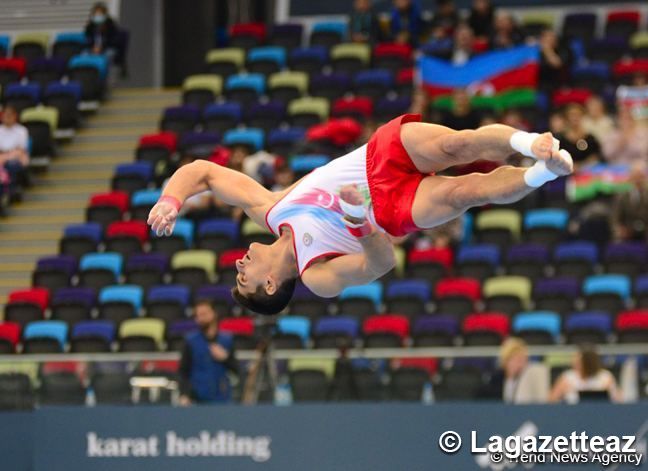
x=259, y=166
x=445, y=19
x=14, y=157
x=505, y=32
x=554, y=61
x=462, y=115
x=444, y=236
x=586, y=374
x=363, y=24
x=517, y=381
x=597, y=122
x=206, y=357
x=583, y=147
x=481, y=18
x=101, y=30
x=283, y=177
x=556, y=123
x=627, y=144
x=464, y=40
x=629, y=216
x=515, y=119
x=406, y=22
x=14, y=139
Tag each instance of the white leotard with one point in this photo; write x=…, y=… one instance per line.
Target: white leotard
x=312, y=211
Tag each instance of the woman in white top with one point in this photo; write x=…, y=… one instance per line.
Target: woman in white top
x=586, y=374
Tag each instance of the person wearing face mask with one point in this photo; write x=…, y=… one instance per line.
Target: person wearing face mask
x=101, y=30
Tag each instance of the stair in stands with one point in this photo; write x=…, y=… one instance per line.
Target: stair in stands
x=82, y=167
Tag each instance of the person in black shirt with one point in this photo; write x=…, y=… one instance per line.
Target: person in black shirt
x=481, y=18
x=583, y=147
x=462, y=115
x=554, y=61
x=206, y=358
x=101, y=30
x=363, y=24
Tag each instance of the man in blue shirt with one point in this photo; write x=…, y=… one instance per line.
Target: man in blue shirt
x=206, y=357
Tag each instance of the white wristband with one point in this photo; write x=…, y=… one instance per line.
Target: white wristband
x=522, y=141
x=538, y=175
x=357, y=211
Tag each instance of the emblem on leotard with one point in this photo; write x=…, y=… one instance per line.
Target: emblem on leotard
x=308, y=239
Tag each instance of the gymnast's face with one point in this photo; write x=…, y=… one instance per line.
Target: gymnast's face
x=255, y=268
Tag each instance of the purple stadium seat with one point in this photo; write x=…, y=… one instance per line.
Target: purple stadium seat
x=175, y=293
x=448, y=324
x=85, y=296
x=64, y=263
x=569, y=287
x=337, y=325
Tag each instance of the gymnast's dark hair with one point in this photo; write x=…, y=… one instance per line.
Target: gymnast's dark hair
x=264, y=303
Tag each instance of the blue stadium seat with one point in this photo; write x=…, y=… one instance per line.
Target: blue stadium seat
x=372, y=291
x=71, y=37
x=255, y=82
x=110, y=261
x=641, y=284
x=176, y=293
x=123, y=293
x=145, y=197
x=489, y=253
x=4, y=43
x=577, y=250
x=528, y=252
x=311, y=58
x=32, y=90
x=224, y=226
x=283, y=137
x=63, y=88
x=547, y=321
x=295, y=325
x=337, y=325
x=617, y=284
x=141, y=169
x=589, y=320
x=251, y=137
x=96, y=61
x=549, y=217
x=95, y=328
x=275, y=54
x=56, y=330
x=229, y=109
x=89, y=230
x=415, y=288
x=303, y=164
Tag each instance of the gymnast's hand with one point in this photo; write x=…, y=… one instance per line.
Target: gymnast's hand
x=543, y=146
x=162, y=217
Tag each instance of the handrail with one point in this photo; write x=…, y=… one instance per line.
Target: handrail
x=373, y=353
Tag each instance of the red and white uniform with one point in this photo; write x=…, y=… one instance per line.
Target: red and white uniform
x=383, y=173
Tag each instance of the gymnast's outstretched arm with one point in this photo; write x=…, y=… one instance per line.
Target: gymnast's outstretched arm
x=232, y=187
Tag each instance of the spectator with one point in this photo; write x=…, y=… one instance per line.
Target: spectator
x=556, y=123
x=101, y=30
x=554, y=61
x=597, y=122
x=445, y=19
x=206, y=358
x=481, y=18
x=583, y=147
x=14, y=157
x=444, y=236
x=363, y=24
x=14, y=139
x=284, y=177
x=406, y=22
x=629, y=215
x=627, y=143
x=515, y=119
x=259, y=165
x=586, y=374
x=464, y=40
x=505, y=32
x=517, y=381
x=462, y=115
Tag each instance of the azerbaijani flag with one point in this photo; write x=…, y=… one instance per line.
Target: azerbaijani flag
x=498, y=79
x=595, y=180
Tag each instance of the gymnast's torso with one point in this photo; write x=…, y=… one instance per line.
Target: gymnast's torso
x=311, y=210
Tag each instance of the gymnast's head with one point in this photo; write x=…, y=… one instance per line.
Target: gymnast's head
x=266, y=279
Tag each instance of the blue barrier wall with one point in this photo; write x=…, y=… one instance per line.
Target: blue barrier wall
x=375, y=437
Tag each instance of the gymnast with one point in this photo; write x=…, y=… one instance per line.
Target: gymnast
x=335, y=227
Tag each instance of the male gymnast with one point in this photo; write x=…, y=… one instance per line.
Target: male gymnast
x=334, y=227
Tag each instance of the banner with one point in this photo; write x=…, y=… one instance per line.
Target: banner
x=340, y=437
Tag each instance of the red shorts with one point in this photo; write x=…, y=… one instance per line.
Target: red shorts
x=393, y=178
